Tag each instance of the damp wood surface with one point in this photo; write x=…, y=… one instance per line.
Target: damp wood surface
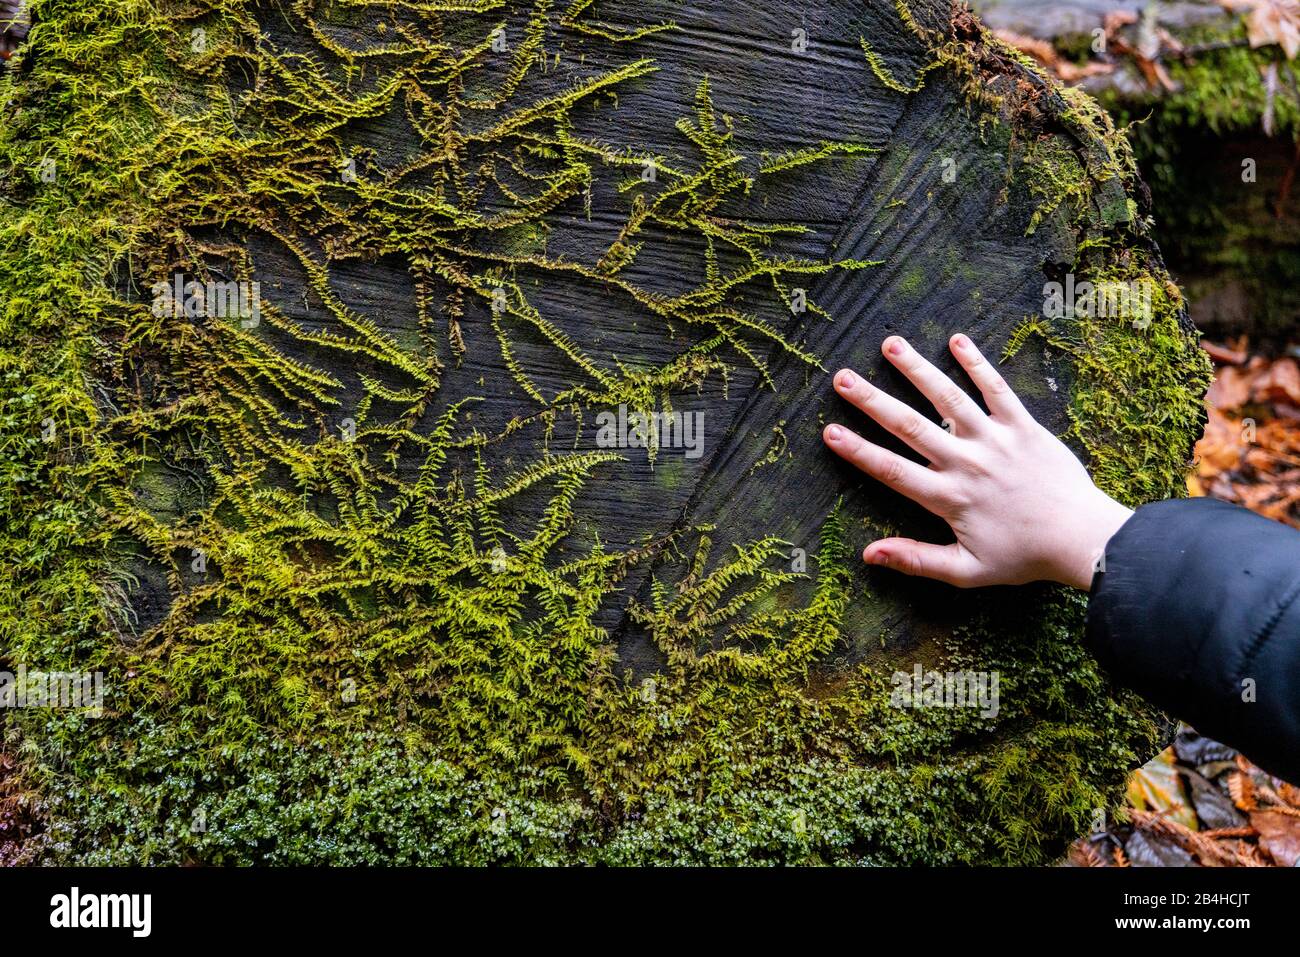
x=952, y=249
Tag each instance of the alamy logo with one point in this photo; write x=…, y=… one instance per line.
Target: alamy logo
x=74, y=909
x=946, y=689
x=52, y=689
x=1108, y=299
x=213, y=300
x=651, y=430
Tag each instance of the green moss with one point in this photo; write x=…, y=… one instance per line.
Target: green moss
x=1225, y=230
x=913, y=282
x=1223, y=86
x=1139, y=374
x=1218, y=81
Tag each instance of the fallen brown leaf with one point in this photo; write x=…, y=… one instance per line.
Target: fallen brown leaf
x=1279, y=836
x=1289, y=793
x=1224, y=355
x=1083, y=854
x=1233, y=386
x=1242, y=789
x=1269, y=22
x=1220, y=448
x=1208, y=852
x=1279, y=383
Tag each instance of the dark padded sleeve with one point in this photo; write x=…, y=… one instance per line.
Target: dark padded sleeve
x=1197, y=607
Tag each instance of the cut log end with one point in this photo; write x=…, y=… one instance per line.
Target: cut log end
x=495, y=481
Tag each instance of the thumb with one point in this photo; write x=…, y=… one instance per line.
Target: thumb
x=946, y=563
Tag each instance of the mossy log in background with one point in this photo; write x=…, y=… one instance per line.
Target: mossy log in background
x=1218, y=142
x=364, y=583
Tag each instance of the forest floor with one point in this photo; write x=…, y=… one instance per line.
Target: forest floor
x=20, y=818
x=1200, y=803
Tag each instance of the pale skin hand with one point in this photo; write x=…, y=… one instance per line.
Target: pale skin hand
x=1020, y=504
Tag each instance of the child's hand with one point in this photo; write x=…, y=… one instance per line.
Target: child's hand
x=1021, y=505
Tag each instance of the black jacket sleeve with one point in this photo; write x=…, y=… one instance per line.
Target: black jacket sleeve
x=1197, y=607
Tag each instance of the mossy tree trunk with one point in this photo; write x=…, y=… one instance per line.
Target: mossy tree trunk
x=1216, y=140
x=372, y=569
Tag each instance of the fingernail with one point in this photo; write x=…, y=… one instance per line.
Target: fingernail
x=894, y=346
x=846, y=379
x=960, y=341
x=879, y=557
x=834, y=433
